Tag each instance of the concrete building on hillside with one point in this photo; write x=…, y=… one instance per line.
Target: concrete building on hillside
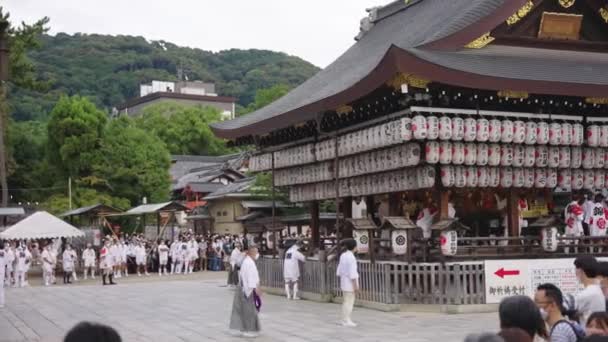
x=189, y=93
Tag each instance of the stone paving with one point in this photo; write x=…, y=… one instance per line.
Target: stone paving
x=197, y=308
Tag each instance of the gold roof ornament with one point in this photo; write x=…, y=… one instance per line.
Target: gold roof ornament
x=480, y=42
x=409, y=79
x=566, y=3
x=604, y=14
x=344, y=109
x=513, y=94
x=597, y=100
x=522, y=12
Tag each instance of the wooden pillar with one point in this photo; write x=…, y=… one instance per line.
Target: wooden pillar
x=370, y=203
x=299, y=231
x=444, y=199
x=513, y=213
x=157, y=225
x=347, y=213
x=394, y=204
x=314, y=225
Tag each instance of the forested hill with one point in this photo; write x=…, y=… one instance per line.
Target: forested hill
x=109, y=69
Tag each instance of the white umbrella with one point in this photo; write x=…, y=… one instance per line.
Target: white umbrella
x=41, y=225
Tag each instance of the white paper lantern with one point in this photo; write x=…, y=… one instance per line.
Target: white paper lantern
x=507, y=131
x=519, y=132
x=506, y=155
x=518, y=177
x=470, y=129
x=566, y=134
x=555, y=134
x=419, y=128
x=494, y=155
x=564, y=157
x=471, y=174
x=529, y=156
x=593, y=135
x=540, y=178
x=599, y=180
x=495, y=131
x=470, y=154
x=445, y=128
x=519, y=154
x=578, y=179
x=426, y=177
x=529, y=178
x=598, y=158
x=506, y=177
x=432, y=152
x=482, y=154
x=457, y=129
x=448, y=176
x=458, y=153
x=460, y=177
x=588, y=179
x=549, y=239
x=564, y=179
x=406, y=129
x=445, y=152
x=432, y=126
x=483, y=178
x=362, y=239
x=553, y=156
x=494, y=176
x=531, y=128
x=551, y=178
x=542, y=133
x=449, y=242
x=578, y=134
x=399, y=241
x=577, y=157
x=542, y=156
x=588, y=158
x=483, y=130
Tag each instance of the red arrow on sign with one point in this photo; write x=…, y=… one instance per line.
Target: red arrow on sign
x=502, y=272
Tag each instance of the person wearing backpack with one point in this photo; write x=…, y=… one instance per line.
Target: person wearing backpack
x=550, y=302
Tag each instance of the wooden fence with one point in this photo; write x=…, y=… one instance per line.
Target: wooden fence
x=389, y=282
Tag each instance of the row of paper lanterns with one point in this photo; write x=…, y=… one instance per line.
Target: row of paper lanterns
x=422, y=177
x=446, y=152
x=507, y=177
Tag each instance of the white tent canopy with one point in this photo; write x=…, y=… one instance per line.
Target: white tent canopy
x=40, y=225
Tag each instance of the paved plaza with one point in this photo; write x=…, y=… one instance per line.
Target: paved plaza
x=197, y=308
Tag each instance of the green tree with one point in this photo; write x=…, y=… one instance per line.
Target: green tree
x=19, y=70
x=134, y=163
x=264, y=97
x=75, y=130
x=82, y=197
x=184, y=129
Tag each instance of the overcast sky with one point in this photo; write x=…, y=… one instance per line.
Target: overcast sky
x=316, y=30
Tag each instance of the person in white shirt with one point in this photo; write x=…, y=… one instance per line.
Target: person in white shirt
x=3, y=259
x=47, y=265
x=425, y=220
x=192, y=254
x=588, y=213
x=140, y=259
x=163, y=257
x=106, y=263
x=291, y=270
x=89, y=258
x=24, y=257
x=124, y=251
x=115, y=255
x=236, y=258
x=349, y=280
x=68, y=259
x=175, y=246
x=591, y=299
x=10, y=256
x=244, y=319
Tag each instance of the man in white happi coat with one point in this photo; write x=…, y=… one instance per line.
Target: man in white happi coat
x=89, y=258
x=192, y=254
x=24, y=258
x=175, y=246
x=291, y=270
x=106, y=263
x=124, y=252
x=141, y=258
x=163, y=257
x=47, y=265
x=10, y=256
x=3, y=259
x=598, y=221
x=68, y=260
x=115, y=254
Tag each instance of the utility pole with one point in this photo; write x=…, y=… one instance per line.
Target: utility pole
x=4, y=56
x=70, y=191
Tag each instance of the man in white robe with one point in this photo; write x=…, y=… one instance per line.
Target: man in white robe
x=47, y=265
x=349, y=280
x=140, y=259
x=175, y=246
x=115, y=255
x=244, y=319
x=24, y=257
x=68, y=260
x=106, y=263
x=10, y=256
x=291, y=270
x=163, y=257
x=89, y=258
x=3, y=258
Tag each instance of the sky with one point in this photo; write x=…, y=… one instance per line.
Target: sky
x=315, y=30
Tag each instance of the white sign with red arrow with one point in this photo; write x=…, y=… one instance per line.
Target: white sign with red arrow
x=506, y=278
